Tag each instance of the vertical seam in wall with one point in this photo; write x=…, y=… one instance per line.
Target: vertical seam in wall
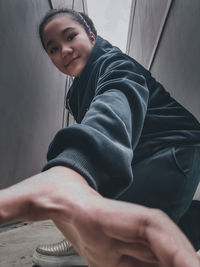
x=85, y=7
x=73, y=4
x=160, y=33
x=51, y=5
x=130, y=31
x=64, y=111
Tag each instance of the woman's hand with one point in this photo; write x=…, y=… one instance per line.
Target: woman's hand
x=106, y=233
x=112, y=233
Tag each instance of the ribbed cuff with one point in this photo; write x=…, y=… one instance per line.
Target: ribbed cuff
x=77, y=161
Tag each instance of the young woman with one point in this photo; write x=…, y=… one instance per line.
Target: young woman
x=132, y=142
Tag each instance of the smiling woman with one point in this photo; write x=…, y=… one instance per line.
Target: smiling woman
x=67, y=44
x=126, y=148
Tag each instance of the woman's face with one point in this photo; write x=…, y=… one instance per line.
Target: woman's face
x=67, y=44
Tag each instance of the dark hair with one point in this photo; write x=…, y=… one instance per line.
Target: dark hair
x=80, y=17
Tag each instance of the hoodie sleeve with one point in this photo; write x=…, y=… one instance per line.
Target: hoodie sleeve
x=101, y=147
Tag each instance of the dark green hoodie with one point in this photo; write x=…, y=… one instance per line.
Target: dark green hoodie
x=123, y=115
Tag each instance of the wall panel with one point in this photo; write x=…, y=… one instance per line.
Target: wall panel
x=62, y=3
x=32, y=90
x=177, y=61
x=78, y=5
x=145, y=23
x=163, y=36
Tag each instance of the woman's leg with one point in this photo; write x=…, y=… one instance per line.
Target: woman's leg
x=167, y=180
x=190, y=224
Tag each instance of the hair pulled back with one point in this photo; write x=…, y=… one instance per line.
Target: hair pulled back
x=80, y=17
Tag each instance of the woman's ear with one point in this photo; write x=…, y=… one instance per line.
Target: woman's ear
x=92, y=37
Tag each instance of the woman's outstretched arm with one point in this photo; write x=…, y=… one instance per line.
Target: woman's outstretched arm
x=40, y=197
x=105, y=232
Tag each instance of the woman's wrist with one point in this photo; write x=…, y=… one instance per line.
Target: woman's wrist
x=73, y=193
x=78, y=205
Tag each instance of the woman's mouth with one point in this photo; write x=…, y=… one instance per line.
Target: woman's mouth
x=71, y=61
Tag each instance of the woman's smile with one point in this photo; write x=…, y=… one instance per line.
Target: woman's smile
x=71, y=61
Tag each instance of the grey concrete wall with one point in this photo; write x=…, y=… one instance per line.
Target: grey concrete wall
x=145, y=24
x=79, y=5
x=61, y=3
x=32, y=90
x=163, y=36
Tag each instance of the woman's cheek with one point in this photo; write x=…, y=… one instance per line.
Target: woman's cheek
x=56, y=63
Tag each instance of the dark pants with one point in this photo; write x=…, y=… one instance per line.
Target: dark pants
x=190, y=224
x=167, y=180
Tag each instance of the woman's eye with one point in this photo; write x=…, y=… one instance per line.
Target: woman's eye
x=53, y=50
x=71, y=37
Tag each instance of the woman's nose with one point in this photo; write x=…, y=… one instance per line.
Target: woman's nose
x=66, y=50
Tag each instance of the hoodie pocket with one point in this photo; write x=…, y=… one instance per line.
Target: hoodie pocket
x=184, y=157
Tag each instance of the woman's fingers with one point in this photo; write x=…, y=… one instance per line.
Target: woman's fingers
x=127, y=261
x=184, y=258
x=168, y=243
x=138, y=250
x=140, y=229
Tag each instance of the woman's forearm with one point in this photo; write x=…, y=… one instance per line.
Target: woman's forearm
x=95, y=225
x=40, y=197
x=14, y=203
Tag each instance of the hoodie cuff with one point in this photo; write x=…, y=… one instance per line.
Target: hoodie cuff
x=77, y=161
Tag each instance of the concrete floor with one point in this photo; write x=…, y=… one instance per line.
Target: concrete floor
x=18, y=244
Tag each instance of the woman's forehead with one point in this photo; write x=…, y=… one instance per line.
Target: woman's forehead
x=59, y=21
x=58, y=24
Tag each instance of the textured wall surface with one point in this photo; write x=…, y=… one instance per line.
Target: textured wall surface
x=145, y=24
x=32, y=90
x=163, y=36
